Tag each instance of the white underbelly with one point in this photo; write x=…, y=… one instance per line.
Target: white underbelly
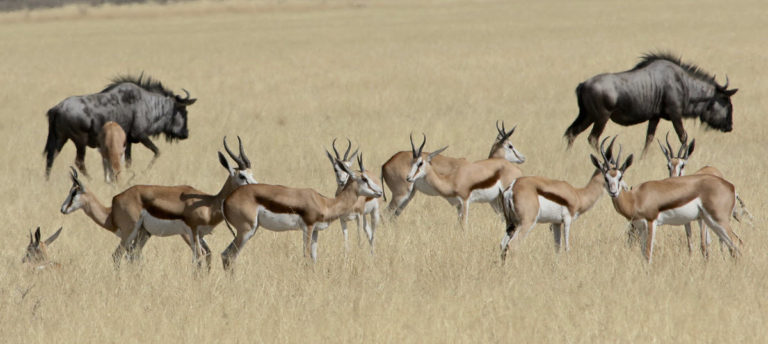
x=680, y=216
x=164, y=228
x=550, y=212
x=486, y=195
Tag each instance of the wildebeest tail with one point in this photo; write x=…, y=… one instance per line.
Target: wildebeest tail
x=50, y=143
x=581, y=122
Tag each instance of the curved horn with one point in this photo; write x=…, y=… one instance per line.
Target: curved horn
x=501, y=131
x=423, y=142
x=232, y=155
x=609, y=151
x=602, y=150
x=333, y=145
x=413, y=148
x=618, y=157
x=360, y=162
x=669, y=147
x=246, y=162
x=187, y=93
x=725, y=87
x=349, y=146
x=683, y=148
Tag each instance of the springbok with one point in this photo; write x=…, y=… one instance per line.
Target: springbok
x=37, y=251
x=532, y=200
x=480, y=181
x=673, y=201
x=161, y=210
x=676, y=166
x=279, y=208
x=395, y=171
x=112, y=149
x=364, y=205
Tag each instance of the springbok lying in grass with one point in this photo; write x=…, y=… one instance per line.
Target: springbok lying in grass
x=532, y=200
x=161, y=210
x=672, y=201
x=364, y=206
x=279, y=208
x=37, y=251
x=480, y=181
x=676, y=166
x=395, y=171
x=112, y=149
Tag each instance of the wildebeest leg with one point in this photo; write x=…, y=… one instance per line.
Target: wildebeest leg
x=148, y=143
x=128, y=159
x=652, y=124
x=677, y=123
x=80, y=159
x=581, y=123
x=597, y=129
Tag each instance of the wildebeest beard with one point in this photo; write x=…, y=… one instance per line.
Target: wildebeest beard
x=717, y=121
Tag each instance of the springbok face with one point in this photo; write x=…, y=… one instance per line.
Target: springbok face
x=365, y=186
x=613, y=174
x=74, y=199
x=676, y=163
x=37, y=251
x=419, y=164
x=511, y=154
x=240, y=175
x=341, y=175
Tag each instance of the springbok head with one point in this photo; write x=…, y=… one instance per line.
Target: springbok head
x=347, y=160
x=419, y=163
x=508, y=151
x=77, y=192
x=365, y=185
x=240, y=175
x=609, y=166
x=676, y=163
x=37, y=251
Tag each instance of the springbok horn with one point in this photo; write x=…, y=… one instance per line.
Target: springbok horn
x=423, y=142
x=602, y=150
x=669, y=146
x=360, y=162
x=349, y=146
x=618, y=157
x=609, y=151
x=663, y=150
x=413, y=148
x=232, y=155
x=333, y=145
x=244, y=158
x=683, y=148
x=501, y=132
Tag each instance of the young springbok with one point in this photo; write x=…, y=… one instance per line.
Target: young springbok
x=364, y=205
x=395, y=171
x=112, y=149
x=676, y=166
x=480, y=181
x=279, y=208
x=532, y=200
x=37, y=251
x=161, y=210
x=673, y=201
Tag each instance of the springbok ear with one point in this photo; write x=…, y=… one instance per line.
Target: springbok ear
x=595, y=162
x=627, y=163
x=435, y=153
x=225, y=163
x=53, y=237
x=690, y=148
x=37, y=235
x=730, y=92
x=330, y=157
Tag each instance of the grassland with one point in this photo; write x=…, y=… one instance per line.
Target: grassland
x=290, y=76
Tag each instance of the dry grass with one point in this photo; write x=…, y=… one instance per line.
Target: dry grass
x=288, y=77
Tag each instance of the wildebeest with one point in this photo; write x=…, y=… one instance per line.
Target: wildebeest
x=660, y=86
x=140, y=105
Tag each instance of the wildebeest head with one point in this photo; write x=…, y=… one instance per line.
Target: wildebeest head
x=177, y=126
x=718, y=110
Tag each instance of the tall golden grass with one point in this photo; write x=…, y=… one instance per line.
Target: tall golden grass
x=288, y=77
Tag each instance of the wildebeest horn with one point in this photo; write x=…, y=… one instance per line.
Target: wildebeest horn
x=725, y=87
x=187, y=93
x=243, y=157
x=669, y=146
x=234, y=157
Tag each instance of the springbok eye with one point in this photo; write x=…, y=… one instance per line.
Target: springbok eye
x=365, y=180
x=420, y=163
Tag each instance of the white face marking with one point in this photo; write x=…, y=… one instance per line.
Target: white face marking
x=513, y=155
x=367, y=188
x=342, y=176
x=244, y=177
x=613, y=182
x=417, y=170
x=72, y=202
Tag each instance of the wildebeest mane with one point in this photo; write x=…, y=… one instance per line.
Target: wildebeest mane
x=145, y=82
x=692, y=69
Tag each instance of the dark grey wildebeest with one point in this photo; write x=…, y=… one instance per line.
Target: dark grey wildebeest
x=660, y=86
x=140, y=105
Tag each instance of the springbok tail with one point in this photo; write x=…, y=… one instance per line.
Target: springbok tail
x=383, y=192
